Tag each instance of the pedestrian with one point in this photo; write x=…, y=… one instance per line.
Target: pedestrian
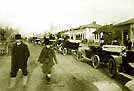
x=48, y=59
x=19, y=57
x=115, y=42
x=129, y=44
x=101, y=41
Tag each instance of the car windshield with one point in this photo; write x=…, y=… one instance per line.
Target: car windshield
x=113, y=48
x=75, y=41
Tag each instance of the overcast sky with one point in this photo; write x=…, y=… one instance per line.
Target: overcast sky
x=37, y=16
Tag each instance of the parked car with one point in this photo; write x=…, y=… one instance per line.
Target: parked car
x=117, y=58
x=69, y=46
x=58, y=44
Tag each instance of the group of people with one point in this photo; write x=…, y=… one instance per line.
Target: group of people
x=19, y=58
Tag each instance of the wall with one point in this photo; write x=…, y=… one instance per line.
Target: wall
x=89, y=33
x=123, y=29
x=86, y=33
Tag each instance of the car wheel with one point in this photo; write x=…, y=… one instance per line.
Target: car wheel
x=112, y=70
x=95, y=61
x=64, y=51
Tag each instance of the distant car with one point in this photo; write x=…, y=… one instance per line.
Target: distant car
x=69, y=46
x=117, y=58
x=37, y=42
x=58, y=43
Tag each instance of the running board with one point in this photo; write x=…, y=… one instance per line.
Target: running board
x=86, y=58
x=126, y=75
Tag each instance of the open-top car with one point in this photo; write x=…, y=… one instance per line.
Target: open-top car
x=58, y=44
x=117, y=58
x=69, y=46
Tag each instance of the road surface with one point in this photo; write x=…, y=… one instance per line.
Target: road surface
x=67, y=75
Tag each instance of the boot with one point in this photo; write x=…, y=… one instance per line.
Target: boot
x=25, y=78
x=12, y=83
x=48, y=76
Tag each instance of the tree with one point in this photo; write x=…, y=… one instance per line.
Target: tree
x=6, y=33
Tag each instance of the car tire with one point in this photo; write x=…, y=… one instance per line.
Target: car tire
x=112, y=69
x=64, y=51
x=95, y=61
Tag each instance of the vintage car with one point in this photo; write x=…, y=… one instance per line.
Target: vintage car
x=58, y=44
x=68, y=46
x=117, y=58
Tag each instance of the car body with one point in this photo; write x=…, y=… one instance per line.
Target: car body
x=68, y=46
x=118, y=59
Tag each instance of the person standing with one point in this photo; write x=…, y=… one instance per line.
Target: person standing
x=19, y=57
x=115, y=42
x=129, y=44
x=48, y=59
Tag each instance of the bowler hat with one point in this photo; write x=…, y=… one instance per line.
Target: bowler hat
x=18, y=36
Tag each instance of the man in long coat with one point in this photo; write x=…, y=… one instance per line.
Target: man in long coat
x=47, y=58
x=19, y=57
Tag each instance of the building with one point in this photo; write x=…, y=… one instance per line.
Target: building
x=106, y=33
x=83, y=32
x=127, y=30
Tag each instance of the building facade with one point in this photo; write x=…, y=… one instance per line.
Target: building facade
x=83, y=32
x=127, y=30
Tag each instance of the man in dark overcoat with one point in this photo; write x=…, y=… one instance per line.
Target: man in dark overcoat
x=19, y=57
x=47, y=58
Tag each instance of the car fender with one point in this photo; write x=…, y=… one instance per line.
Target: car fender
x=117, y=59
x=81, y=52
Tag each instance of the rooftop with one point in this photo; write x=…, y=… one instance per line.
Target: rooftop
x=91, y=25
x=130, y=21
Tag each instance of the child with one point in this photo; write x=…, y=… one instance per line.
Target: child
x=47, y=58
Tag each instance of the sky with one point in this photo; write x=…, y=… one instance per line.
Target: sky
x=39, y=16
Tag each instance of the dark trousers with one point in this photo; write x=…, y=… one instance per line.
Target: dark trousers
x=46, y=68
x=14, y=70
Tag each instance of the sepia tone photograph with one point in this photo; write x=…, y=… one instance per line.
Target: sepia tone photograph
x=66, y=45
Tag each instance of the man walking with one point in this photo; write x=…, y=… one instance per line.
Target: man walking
x=19, y=57
x=48, y=59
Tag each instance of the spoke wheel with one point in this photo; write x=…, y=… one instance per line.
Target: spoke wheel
x=64, y=51
x=95, y=61
x=112, y=70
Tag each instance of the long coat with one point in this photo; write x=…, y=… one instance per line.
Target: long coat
x=47, y=58
x=19, y=55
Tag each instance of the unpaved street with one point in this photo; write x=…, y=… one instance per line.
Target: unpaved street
x=67, y=75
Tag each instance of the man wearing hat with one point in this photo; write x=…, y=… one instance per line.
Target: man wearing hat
x=47, y=58
x=19, y=57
